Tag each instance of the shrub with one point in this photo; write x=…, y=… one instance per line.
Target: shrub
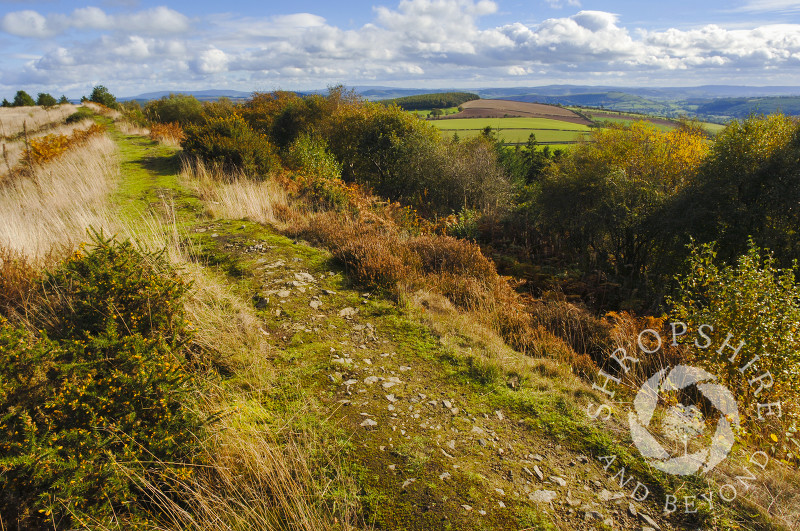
x=89, y=408
x=169, y=133
x=48, y=147
x=181, y=108
x=81, y=114
x=231, y=143
x=319, y=173
x=757, y=303
x=116, y=286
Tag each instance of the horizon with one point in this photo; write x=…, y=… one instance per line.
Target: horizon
x=140, y=46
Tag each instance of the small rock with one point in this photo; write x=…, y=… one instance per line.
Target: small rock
x=606, y=495
x=391, y=398
x=369, y=423
x=408, y=482
x=392, y=467
x=466, y=507
x=573, y=502
x=649, y=521
x=561, y=482
x=537, y=457
x=405, y=368
x=315, y=304
x=499, y=415
x=369, y=380
x=592, y=516
x=451, y=445
x=350, y=382
x=447, y=404
x=538, y=472
x=542, y=496
x=597, y=484
x=482, y=442
x=632, y=509
x=477, y=430
x=501, y=504
x=444, y=476
x=501, y=492
x=347, y=312
x=304, y=277
x=284, y=293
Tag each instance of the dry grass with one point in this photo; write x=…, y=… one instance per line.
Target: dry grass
x=129, y=128
x=35, y=118
x=14, y=151
x=52, y=208
x=103, y=110
x=233, y=196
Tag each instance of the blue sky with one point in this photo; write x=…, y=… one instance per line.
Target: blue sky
x=135, y=46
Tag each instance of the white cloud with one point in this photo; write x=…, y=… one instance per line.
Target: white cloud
x=211, y=61
x=158, y=20
x=767, y=6
x=436, y=41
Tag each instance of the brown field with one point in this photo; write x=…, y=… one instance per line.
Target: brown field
x=611, y=115
x=508, y=109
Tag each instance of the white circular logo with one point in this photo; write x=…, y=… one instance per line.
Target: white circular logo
x=680, y=423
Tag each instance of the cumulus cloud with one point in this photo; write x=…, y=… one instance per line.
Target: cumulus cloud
x=29, y=23
x=418, y=40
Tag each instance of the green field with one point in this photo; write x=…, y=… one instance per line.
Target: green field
x=515, y=130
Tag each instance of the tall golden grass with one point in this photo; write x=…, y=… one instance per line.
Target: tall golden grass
x=53, y=207
x=12, y=119
x=14, y=151
x=233, y=196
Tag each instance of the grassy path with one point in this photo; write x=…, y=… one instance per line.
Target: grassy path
x=432, y=423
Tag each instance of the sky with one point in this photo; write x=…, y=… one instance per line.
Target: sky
x=138, y=46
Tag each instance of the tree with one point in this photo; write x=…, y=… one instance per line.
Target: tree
x=23, y=99
x=436, y=113
x=63, y=99
x=45, y=100
x=101, y=95
x=6, y=103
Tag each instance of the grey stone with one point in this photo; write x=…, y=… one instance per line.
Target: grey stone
x=542, y=496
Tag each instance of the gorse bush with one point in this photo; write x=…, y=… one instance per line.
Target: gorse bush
x=45, y=148
x=99, y=396
x=115, y=285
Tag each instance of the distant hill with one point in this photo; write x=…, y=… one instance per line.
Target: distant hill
x=743, y=107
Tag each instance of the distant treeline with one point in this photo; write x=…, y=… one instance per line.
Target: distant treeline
x=439, y=100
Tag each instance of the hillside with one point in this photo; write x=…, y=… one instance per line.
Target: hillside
x=290, y=350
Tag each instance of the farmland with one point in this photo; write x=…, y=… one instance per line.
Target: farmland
x=516, y=130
